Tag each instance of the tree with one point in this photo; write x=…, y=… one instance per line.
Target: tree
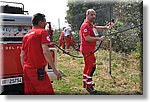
x=128, y=15
x=77, y=10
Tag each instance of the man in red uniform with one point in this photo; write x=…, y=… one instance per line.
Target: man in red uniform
x=88, y=44
x=69, y=39
x=35, y=55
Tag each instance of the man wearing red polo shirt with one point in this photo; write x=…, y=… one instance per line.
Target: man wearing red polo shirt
x=88, y=44
x=35, y=55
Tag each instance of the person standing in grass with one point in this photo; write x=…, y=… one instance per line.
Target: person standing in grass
x=88, y=44
x=35, y=55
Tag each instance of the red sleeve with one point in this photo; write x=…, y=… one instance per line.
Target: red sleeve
x=45, y=37
x=86, y=30
x=94, y=26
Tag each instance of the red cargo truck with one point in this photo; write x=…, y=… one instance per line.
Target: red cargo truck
x=13, y=27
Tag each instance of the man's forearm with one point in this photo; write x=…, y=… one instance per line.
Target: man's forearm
x=22, y=58
x=92, y=39
x=48, y=56
x=102, y=27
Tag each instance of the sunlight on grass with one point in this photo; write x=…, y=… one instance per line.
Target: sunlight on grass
x=125, y=72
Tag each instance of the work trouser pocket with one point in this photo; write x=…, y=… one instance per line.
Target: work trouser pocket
x=40, y=73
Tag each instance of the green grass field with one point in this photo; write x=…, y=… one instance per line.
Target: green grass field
x=126, y=75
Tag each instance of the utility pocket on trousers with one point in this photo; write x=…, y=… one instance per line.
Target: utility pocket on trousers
x=40, y=73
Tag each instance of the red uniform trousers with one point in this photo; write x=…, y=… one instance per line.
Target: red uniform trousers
x=89, y=69
x=33, y=86
x=69, y=41
x=61, y=43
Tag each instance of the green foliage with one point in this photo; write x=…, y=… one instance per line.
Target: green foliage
x=127, y=15
x=137, y=53
x=56, y=35
x=77, y=10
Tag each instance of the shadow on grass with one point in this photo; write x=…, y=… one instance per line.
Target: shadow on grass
x=99, y=93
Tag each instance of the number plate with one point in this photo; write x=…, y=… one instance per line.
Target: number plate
x=10, y=81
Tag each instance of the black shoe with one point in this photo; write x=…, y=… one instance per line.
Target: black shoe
x=91, y=90
x=93, y=84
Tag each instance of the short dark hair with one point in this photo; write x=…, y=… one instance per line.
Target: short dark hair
x=37, y=17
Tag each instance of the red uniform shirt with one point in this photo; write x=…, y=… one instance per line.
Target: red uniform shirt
x=32, y=41
x=85, y=30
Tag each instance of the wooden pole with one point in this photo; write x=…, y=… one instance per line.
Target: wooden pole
x=110, y=52
x=110, y=43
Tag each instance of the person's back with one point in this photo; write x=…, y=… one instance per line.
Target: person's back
x=32, y=46
x=35, y=54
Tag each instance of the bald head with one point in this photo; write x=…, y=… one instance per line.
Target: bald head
x=90, y=15
x=89, y=11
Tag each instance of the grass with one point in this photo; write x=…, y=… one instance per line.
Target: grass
x=125, y=79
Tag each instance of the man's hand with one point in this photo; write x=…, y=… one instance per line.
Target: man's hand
x=102, y=38
x=57, y=73
x=110, y=25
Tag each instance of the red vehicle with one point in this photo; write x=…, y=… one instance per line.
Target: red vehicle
x=14, y=25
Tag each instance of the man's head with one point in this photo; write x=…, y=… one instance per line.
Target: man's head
x=90, y=15
x=39, y=20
